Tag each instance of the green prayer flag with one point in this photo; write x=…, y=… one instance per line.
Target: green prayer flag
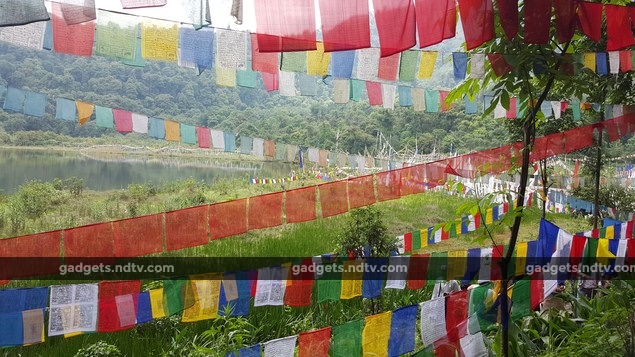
x=115, y=36
x=437, y=267
x=432, y=101
x=188, y=134
x=246, y=77
x=356, y=89
x=329, y=286
x=521, y=299
x=453, y=230
x=590, y=252
x=575, y=107
x=294, y=61
x=173, y=295
x=477, y=305
x=416, y=240
x=346, y=339
x=281, y=151
x=408, y=66
x=104, y=117
x=138, y=60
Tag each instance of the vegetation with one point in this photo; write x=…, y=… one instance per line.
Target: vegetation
x=366, y=230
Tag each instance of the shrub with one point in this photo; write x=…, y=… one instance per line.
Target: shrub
x=99, y=349
x=365, y=228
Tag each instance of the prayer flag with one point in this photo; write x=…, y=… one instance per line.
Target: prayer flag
x=202, y=297
x=432, y=320
x=459, y=61
x=395, y=25
x=74, y=39
x=402, y=331
x=281, y=347
x=34, y=104
x=285, y=25
x=347, y=339
x=376, y=334
x=85, y=111
x=314, y=343
x=159, y=40
x=318, y=61
x=444, y=25
x=64, y=109
x=427, y=63
x=342, y=62
x=345, y=24
x=537, y=21
x=477, y=18
x=618, y=27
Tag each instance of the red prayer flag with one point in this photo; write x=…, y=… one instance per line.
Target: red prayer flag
x=412, y=180
x=395, y=25
x=455, y=314
x=477, y=220
x=417, y=270
x=508, y=15
x=228, y=218
x=96, y=240
x=407, y=242
x=477, y=18
x=345, y=24
x=435, y=172
x=40, y=245
x=537, y=21
x=576, y=139
x=300, y=204
x=333, y=198
x=108, y=319
x=71, y=39
x=285, y=25
x=389, y=67
x=618, y=27
x=361, y=191
x=123, y=120
x=138, y=236
x=511, y=112
x=565, y=19
x=374, y=93
x=388, y=183
x=203, y=136
x=271, y=81
x=590, y=19
x=626, y=64
x=314, y=343
x=577, y=250
x=262, y=61
x=536, y=287
x=436, y=21
x=497, y=255
x=299, y=287
x=265, y=210
x=630, y=251
x=186, y=228
x=499, y=64
x=444, y=106
x=444, y=347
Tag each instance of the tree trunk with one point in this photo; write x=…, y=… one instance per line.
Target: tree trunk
x=598, y=169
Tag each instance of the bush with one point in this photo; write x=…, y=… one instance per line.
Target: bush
x=99, y=349
x=34, y=198
x=365, y=228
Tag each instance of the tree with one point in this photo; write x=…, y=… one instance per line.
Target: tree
x=366, y=230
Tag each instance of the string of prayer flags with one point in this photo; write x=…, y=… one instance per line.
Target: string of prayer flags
x=104, y=117
x=72, y=308
x=402, y=331
x=74, y=39
x=202, y=294
x=376, y=334
x=159, y=40
x=281, y=347
x=117, y=305
x=346, y=339
x=314, y=343
x=477, y=18
x=432, y=32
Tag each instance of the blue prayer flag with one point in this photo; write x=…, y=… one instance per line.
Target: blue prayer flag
x=601, y=63
x=547, y=238
x=251, y=351
x=473, y=264
x=459, y=60
x=405, y=96
x=230, y=141
x=34, y=104
x=373, y=277
x=14, y=100
x=403, y=327
x=197, y=47
x=470, y=105
x=65, y=109
x=246, y=145
x=239, y=306
x=144, y=309
x=342, y=63
x=157, y=128
x=11, y=329
x=48, y=36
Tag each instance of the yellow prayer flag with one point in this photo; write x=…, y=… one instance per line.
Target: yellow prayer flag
x=521, y=258
x=352, y=279
x=589, y=61
x=426, y=64
x=172, y=130
x=201, y=295
x=84, y=111
x=73, y=334
x=159, y=40
x=457, y=264
x=489, y=217
x=376, y=334
x=424, y=237
x=610, y=232
x=225, y=77
x=318, y=61
x=156, y=303
x=603, y=253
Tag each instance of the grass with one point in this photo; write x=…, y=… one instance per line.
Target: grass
x=304, y=239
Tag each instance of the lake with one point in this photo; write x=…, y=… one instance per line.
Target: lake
x=103, y=172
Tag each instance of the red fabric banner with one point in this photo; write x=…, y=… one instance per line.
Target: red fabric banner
x=577, y=138
x=361, y=191
x=203, y=137
x=374, y=93
x=407, y=242
x=630, y=251
x=123, y=120
x=389, y=67
x=508, y=15
x=477, y=18
x=262, y=61
x=435, y=173
x=108, y=319
x=499, y=64
x=537, y=21
x=444, y=106
x=412, y=180
x=228, y=218
x=271, y=81
x=300, y=204
x=565, y=19
x=444, y=347
x=388, y=183
x=417, y=271
x=497, y=255
x=265, y=211
x=455, y=314
x=71, y=39
x=444, y=26
x=547, y=146
x=186, y=228
x=590, y=19
x=299, y=287
x=511, y=112
x=333, y=198
x=395, y=25
x=95, y=240
x=40, y=245
x=577, y=250
x=285, y=25
x=138, y=236
x=618, y=27
x=626, y=64
x=314, y=343
x=536, y=287
x=345, y=24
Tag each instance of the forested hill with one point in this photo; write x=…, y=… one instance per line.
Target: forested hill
x=165, y=90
